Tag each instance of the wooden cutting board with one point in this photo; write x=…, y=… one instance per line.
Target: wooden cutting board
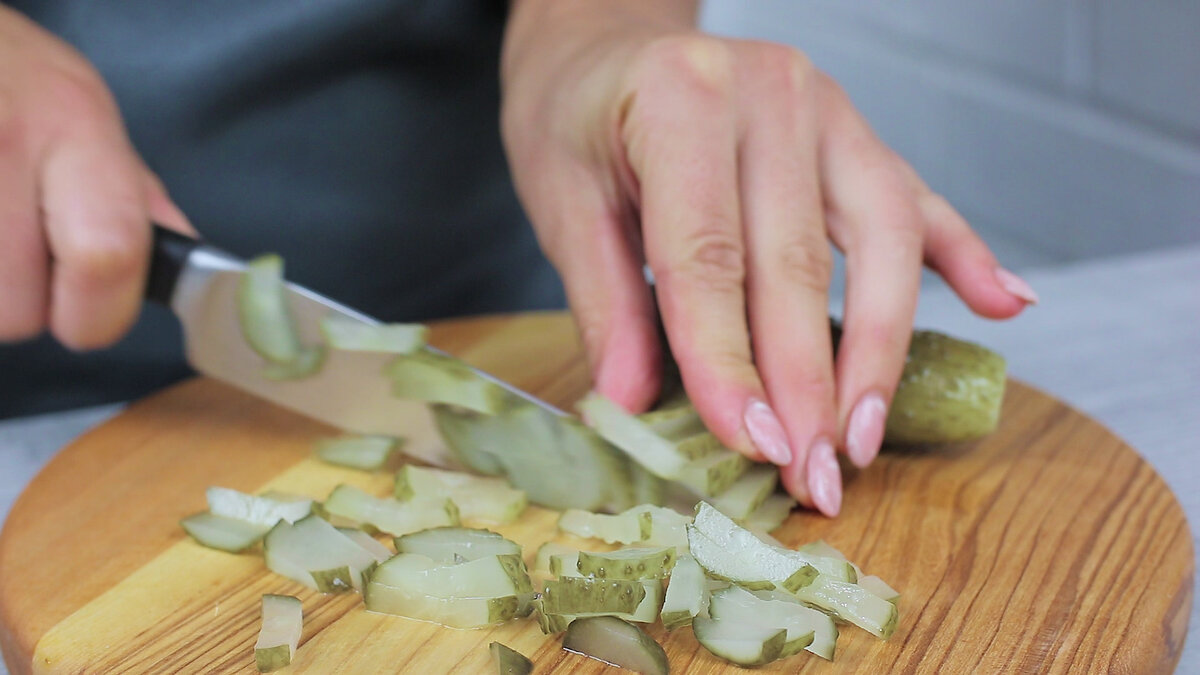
x=1050, y=546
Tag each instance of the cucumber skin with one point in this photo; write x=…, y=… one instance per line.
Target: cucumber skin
x=950, y=391
x=267, y=659
x=509, y=661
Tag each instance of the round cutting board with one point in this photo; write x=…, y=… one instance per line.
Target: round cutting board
x=1048, y=546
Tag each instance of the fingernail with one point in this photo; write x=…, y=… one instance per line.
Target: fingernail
x=824, y=478
x=1017, y=286
x=766, y=432
x=864, y=432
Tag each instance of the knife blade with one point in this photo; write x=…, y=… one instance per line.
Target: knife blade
x=199, y=284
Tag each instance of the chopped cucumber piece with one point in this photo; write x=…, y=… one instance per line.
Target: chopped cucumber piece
x=646, y=612
x=548, y=559
x=282, y=623
x=616, y=642
x=487, y=499
x=699, y=445
x=336, y=580
x=557, y=461
x=950, y=390
x=639, y=440
x=876, y=586
x=673, y=423
x=453, y=612
x=259, y=510
x=371, y=545
x=307, y=362
x=509, y=661
x=747, y=493
x=770, y=514
x=433, y=377
x=822, y=548
x=346, y=334
x=368, y=453
x=389, y=515
x=740, y=643
x=263, y=312
x=626, y=528
x=853, y=604
x=738, y=604
x=628, y=563
x=222, y=532
x=728, y=565
x=445, y=544
x=667, y=526
x=687, y=594
x=714, y=473
x=772, y=560
x=579, y=595
x=296, y=550
x=490, y=576
x=646, y=488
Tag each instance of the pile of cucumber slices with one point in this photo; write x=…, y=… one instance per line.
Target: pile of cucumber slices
x=620, y=478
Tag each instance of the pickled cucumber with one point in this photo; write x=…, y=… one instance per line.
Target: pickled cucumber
x=628, y=563
x=509, y=661
x=618, y=642
x=577, y=595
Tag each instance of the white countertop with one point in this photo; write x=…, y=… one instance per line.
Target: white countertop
x=1117, y=338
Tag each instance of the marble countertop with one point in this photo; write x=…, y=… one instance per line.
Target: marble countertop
x=1118, y=338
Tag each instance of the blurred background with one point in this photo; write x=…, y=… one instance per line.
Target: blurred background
x=1063, y=131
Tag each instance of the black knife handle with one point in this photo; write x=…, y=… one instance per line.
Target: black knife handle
x=168, y=256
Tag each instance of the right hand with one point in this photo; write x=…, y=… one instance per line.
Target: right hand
x=76, y=200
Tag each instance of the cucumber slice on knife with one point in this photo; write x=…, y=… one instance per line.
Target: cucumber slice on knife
x=368, y=453
x=282, y=623
x=308, y=361
x=346, y=334
x=428, y=376
x=263, y=312
x=617, y=642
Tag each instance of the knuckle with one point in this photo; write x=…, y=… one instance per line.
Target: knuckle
x=713, y=260
x=103, y=256
x=697, y=61
x=788, y=68
x=805, y=264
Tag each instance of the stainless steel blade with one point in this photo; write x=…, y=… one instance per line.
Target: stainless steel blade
x=350, y=391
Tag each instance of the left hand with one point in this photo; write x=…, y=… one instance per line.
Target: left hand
x=728, y=167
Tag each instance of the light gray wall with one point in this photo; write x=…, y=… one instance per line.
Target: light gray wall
x=1063, y=129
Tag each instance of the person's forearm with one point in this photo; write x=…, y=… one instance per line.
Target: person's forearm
x=531, y=21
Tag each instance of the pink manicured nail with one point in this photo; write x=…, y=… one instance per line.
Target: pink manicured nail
x=1015, y=285
x=864, y=432
x=766, y=432
x=824, y=478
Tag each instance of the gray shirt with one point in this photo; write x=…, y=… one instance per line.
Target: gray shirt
x=357, y=138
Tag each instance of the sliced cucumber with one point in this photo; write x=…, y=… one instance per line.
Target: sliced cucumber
x=744, y=644
x=428, y=376
x=308, y=361
x=876, y=586
x=370, y=544
x=738, y=604
x=687, y=594
x=509, y=661
x=368, y=453
x=616, y=642
x=485, y=499
x=296, y=550
x=452, y=612
x=639, y=441
x=646, y=612
x=259, y=510
x=771, y=560
x=389, y=515
x=728, y=565
x=699, y=445
x=346, y=334
x=263, y=312
x=667, y=526
x=282, y=624
x=673, y=423
x=747, y=493
x=490, y=576
x=628, y=563
x=544, y=561
x=714, y=473
x=626, y=528
x=444, y=544
x=468, y=435
x=336, y=580
x=771, y=513
x=853, y=604
x=223, y=533
x=579, y=595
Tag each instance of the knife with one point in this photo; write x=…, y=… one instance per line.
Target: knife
x=199, y=284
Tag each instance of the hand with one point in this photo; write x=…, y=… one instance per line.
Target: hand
x=728, y=167
x=75, y=200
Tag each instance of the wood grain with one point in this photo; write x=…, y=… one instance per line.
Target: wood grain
x=1050, y=546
